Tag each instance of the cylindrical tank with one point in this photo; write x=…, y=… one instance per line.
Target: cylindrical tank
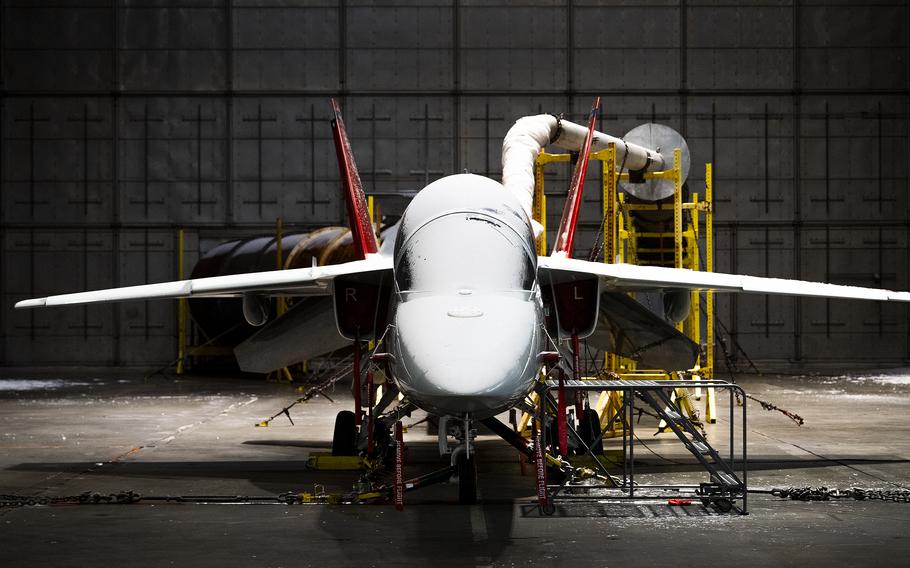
x=657, y=251
x=673, y=305
x=217, y=316
x=313, y=246
x=224, y=316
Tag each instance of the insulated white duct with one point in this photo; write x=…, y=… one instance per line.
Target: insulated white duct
x=531, y=134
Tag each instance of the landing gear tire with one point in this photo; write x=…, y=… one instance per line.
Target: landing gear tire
x=344, y=440
x=467, y=480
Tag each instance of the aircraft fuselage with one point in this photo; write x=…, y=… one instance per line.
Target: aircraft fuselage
x=466, y=318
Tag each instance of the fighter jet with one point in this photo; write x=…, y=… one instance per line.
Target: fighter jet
x=458, y=303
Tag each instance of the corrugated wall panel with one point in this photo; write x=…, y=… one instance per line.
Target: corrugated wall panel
x=122, y=122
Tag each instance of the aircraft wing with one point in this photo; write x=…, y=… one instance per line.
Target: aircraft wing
x=307, y=330
x=628, y=328
x=314, y=281
x=630, y=277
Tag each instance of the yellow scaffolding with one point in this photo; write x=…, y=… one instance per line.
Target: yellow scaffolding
x=621, y=244
x=282, y=375
x=181, y=307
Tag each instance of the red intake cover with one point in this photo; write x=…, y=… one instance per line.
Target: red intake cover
x=577, y=303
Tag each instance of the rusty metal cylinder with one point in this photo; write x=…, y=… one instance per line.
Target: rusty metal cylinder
x=223, y=317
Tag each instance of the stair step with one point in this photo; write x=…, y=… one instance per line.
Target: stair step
x=702, y=448
x=672, y=415
x=727, y=478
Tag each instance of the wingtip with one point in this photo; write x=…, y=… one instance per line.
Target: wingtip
x=32, y=303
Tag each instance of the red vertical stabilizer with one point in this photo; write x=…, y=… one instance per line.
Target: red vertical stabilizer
x=565, y=237
x=354, y=198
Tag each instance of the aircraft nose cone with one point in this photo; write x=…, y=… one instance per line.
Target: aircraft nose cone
x=458, y=348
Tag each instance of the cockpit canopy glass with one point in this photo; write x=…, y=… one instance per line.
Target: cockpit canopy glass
x=465, y=252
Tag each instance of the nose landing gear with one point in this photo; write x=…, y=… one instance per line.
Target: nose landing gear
x=463, y=464
x=466, y=469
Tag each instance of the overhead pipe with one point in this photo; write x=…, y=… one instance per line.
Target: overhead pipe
x=531, y=134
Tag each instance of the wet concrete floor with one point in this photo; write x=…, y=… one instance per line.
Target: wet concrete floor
x=65, y=433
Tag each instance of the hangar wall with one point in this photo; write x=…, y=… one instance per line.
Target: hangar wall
x=122, y=121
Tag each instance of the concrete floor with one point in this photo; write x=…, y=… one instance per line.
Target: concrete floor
x=62, y=435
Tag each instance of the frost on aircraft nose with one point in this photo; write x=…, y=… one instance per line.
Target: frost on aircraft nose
x=466, y=345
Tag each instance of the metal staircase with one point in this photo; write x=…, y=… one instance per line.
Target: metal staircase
x=726, y=476
x=720, y=471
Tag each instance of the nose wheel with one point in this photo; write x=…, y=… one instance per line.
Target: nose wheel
x=463, y=466
x=467, y=479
